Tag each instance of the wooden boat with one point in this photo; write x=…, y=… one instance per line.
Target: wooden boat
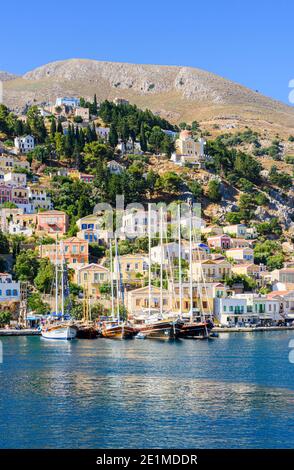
x=59, y=331
x=194, y=329
x=87, y=332
x=64, y=329
x=161, y=329
x=115, y=330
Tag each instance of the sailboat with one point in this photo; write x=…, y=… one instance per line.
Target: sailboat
x=155, y=326
x=115, y=328
x=86, y=329
x=193, y=326
x=63, y=329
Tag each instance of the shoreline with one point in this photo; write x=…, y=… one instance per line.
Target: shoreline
x=217, y=329
x=246, y=329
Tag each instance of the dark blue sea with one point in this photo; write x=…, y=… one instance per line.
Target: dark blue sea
x=236, y=391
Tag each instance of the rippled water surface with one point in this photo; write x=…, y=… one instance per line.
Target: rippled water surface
x=235, y=391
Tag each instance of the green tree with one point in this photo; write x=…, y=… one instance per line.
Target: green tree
x=213, y=191
x=5, y=318
x=45, y=276
x=37, y=305
x=4, y=243
x=113, y=136
x=26, y=266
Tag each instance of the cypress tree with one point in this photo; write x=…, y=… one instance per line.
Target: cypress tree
x=113, y=137
x=52, y=127
x=143, y=140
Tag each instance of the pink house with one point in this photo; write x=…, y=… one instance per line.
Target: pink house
x=5, y=194
x=86, y=178
x=52, y=222
x=219, y=241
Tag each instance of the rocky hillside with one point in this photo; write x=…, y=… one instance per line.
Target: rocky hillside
x=177, y=93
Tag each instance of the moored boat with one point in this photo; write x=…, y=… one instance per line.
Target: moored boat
x=59, y=331
x=194, y=329
x=161, y=329
x=87, y=332
x=115, y=330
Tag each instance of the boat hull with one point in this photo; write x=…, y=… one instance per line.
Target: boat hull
x=59, y=333
x=194, y=330
x=118, y=332
x=87, y=332
x=160, y=330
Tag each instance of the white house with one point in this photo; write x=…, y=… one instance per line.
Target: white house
x=134, y=223
x=165, y=253
x=232, y=311
x=103, y=132
x=15, y=179
x=24, y=144
x=71, y=102
x=9, y=289
x=129, y=147
x=38, y=198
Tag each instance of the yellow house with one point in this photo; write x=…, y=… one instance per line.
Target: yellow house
x=211, y=270
x=249, y=269
x=132, y=267
x=137, y=300
x=90, y=277
x=203, y=296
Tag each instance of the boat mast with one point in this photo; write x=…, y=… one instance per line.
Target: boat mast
x=56, y=277
x=62, y=280
x=191, y=269
x=180, y=260
x=149, y=250
x=161, y=261
x=117, y=281
x=111, y=279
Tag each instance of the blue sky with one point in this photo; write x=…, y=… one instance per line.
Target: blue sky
x=249, y=42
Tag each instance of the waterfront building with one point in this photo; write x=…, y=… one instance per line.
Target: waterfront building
x=204, y=294
x=231, y=311
x=137, y=300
